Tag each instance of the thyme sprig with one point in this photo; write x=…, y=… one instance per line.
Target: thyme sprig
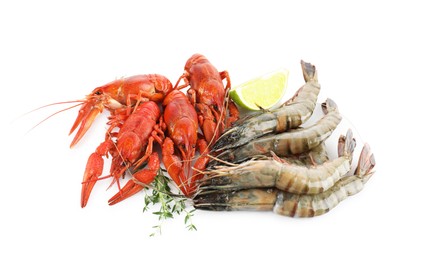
x=169, y=203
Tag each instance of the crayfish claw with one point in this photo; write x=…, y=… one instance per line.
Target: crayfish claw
x=85, y=119
x=92, y=172
x=139, y=180
x=127, y=191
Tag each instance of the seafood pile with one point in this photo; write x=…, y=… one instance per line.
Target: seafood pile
x=265, y=161
x=268, y=162
x=147, y=110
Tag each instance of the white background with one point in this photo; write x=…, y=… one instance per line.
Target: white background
x=376, y=59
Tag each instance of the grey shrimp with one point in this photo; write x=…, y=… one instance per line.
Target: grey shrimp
x=295, y=141
x=316, y=156
x=288, y=177
x=290, y=204
x=290, y=115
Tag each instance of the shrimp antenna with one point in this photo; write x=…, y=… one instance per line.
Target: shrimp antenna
x=221, y=161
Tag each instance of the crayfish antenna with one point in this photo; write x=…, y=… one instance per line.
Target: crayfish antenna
x=57, y=112
x=54, y=104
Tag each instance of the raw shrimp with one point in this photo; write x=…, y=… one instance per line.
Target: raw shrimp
x=316, y=156
x=288, y=177
x=290, y=115
x=289, y=204
x=295, y=141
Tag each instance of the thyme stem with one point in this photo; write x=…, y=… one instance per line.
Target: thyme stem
x=159, y=192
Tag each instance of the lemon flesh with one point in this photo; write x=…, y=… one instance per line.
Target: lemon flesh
x=262, y=92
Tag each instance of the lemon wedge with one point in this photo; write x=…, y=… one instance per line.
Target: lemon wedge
x=262, y=92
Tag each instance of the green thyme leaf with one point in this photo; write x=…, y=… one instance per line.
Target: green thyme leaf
x=160, y=193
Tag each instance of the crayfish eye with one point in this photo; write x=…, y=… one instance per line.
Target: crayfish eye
x=98, y=92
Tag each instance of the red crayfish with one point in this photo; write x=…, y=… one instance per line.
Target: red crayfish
x=209, y=96
x=147, y=109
